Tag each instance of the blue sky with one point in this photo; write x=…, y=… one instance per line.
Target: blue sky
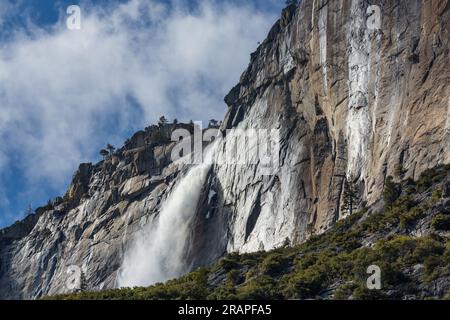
x=65, y=94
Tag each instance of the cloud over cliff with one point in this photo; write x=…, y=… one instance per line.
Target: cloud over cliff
x=63, y=94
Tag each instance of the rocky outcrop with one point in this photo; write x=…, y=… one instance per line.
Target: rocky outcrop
x=355, y=100
x=407, y=239
x=356, y=97
x=106, y=204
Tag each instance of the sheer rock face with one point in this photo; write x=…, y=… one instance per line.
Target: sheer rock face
x=351, y=100
x=355, y=97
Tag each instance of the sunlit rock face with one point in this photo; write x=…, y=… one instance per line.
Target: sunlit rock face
x=356, y=96
x=353, y=99
x=91, y=227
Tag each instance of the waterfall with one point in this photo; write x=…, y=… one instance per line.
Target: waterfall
x=158, y=252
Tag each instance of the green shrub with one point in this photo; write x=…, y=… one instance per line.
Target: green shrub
x=409, y=218
x=446, y=254
x=305, y=284
x=274, y=263
x=427, y=246
x=430, y=176
x=363, y=293
x=399, y=171
x=391, y=192
x=431, y=268
x=344, y=291
x=336, y=256
x=229, y=262
x=223, y=292
x=437, y=194
x=259, y=288
x=234, y=277
x=441, y=222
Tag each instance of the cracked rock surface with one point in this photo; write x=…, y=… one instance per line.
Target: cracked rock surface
x=350, y=103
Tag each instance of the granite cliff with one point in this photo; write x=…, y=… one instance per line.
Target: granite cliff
x=356, y=97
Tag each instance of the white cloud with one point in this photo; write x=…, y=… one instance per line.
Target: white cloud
x=59, y=89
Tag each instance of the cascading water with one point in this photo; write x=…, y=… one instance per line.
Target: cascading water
x=157, y=253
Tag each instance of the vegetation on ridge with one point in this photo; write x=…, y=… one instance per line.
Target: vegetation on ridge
x=334, y=264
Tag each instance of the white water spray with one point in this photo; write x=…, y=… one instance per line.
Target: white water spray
x=158, y=252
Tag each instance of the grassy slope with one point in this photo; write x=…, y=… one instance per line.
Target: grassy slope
x=333, y=265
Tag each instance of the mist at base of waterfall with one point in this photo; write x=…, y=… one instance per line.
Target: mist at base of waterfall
x=157, y=253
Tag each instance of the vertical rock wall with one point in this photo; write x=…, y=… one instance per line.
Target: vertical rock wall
x=356, y=98
x=351, y=102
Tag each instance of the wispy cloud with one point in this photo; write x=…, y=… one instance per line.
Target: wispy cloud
x=65, y=93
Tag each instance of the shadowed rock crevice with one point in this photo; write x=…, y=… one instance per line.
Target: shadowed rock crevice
x=253, y=217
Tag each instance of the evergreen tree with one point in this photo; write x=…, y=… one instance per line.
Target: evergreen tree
x=104, y=153
x=83, y=283
x=349, y=196
x=213, y=123
x=162, y=121
x=110, y=148
x=391, y=192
